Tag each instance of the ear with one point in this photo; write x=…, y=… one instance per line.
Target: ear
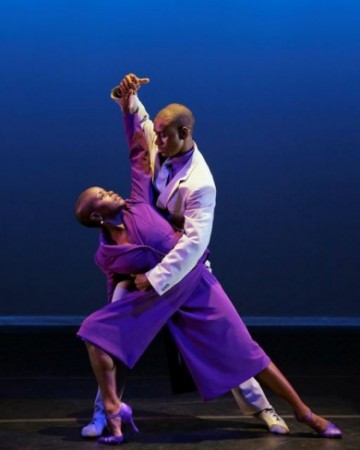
x=96, y=218
x=184, y=132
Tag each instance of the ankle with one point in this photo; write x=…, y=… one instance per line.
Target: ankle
x=303, y=415
x=111, y=407
x=315, y=422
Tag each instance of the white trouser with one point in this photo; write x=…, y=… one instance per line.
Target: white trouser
x=250, y=397
x=98, y=404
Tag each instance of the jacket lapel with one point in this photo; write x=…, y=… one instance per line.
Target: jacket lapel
x=182, y=175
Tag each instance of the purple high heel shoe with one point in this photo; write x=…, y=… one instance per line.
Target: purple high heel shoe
x=125, y=414
x=331, y=431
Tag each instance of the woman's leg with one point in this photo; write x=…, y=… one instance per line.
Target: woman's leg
x=110, y=376
x=272, y=378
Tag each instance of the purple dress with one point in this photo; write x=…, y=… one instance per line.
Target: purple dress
x=211, y=337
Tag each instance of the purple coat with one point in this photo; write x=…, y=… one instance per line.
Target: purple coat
x=211, y=337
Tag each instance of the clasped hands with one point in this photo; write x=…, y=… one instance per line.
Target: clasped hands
x=141, y=282
x=129, y=85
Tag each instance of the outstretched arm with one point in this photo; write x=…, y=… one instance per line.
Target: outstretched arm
x=125, y=95
x=141, y=174
x=139, y=137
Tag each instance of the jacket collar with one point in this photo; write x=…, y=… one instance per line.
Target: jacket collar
x=182, y=175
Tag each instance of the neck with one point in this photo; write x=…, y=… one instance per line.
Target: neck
x=188, y=145
x=116, y=233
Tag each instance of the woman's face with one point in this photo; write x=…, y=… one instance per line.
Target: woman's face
x=105, y=203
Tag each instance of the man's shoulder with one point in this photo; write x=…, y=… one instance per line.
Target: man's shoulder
x=201, y=173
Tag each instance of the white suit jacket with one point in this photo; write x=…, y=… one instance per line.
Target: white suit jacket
x=190, y=198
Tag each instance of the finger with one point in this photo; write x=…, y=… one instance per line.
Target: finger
x=143, y=81
x=132, y=86
x=132, y=78
x=140, y=287
x=125, y=91
x=127, y=81
x=123, y=88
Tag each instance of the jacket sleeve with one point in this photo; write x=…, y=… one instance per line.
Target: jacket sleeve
x=198, y=221
x=141, y=174
x=137, y=109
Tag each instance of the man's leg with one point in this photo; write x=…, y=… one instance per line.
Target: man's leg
x=252, y=401
x=98, y=422
x=97, y=425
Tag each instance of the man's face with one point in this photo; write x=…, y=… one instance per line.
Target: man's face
x=167, y=140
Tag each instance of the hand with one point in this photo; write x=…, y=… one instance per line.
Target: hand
x=130, y=84
x=141, y=282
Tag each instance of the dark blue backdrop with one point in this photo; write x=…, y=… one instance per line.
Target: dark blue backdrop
x=275, y=90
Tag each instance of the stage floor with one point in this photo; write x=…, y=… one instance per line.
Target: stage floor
x=47, y=390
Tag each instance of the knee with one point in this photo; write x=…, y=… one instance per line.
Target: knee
x=93, y=350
